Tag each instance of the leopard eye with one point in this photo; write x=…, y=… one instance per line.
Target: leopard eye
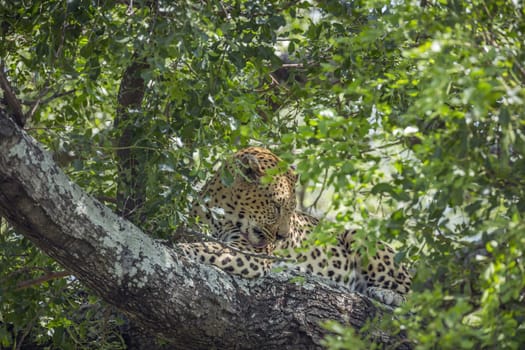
x=277, y=209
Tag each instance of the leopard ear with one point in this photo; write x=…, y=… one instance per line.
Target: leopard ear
x=250, y=167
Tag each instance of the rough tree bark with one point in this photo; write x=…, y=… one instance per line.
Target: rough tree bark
x=193, y=306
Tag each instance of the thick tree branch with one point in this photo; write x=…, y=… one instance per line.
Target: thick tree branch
x=189, y=304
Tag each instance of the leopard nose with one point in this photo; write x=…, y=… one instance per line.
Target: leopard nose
x=284, y=229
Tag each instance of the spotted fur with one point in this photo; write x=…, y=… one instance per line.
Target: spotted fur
x=256, y=214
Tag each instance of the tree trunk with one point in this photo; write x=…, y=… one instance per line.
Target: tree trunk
x=131, y=191
x=191, y=305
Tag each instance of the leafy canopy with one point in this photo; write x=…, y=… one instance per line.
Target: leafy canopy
x=409, y=115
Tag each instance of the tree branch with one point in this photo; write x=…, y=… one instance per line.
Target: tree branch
x=33, y=105
x=11, y=99
x=189, y=304
x=42, y=279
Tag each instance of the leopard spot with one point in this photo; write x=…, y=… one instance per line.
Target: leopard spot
x=323, y=263
x=335, y=252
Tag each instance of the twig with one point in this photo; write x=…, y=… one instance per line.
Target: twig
x=41, y=279
x=292, y=65
x=386, y=145
x=39, y=101
x=26, y=331
x=24, y=270
x=107, y=199
x=323, y=188
x=520, y=67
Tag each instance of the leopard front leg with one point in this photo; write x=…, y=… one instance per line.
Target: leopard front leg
x=386, y=281
x=227, y=259
x=386, y=296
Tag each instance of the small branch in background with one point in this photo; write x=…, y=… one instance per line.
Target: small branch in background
x=292, y=65
x=27, y=330
x=41, y=279
x=106, y=199
x=40, y=101
x=15, y=105
x=520, y=68
x=24, y=270
x=11, y=99
x=321, y=192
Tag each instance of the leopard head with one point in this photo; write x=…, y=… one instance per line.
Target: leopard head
x=252, y=195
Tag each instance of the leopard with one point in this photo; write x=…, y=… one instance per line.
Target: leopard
x=245, y=211
x=255, y=224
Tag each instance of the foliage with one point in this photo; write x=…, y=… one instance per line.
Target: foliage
x=38, y=308
x=409, y=114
